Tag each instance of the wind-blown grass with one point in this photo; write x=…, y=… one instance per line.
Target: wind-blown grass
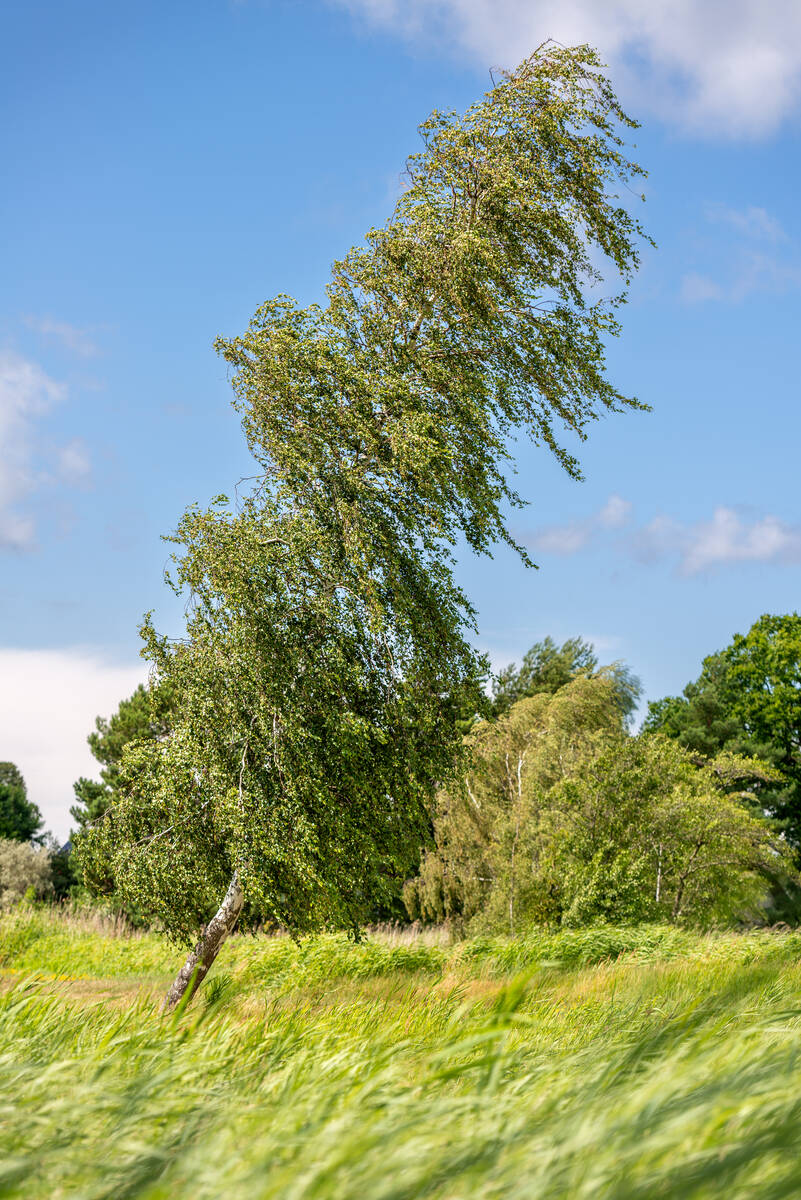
x=648, y=1063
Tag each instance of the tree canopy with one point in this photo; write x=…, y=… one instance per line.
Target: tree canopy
x=563, y=818
x=327, y=656
x=20, y=818
x=747, y=699
x=547, y=667
x=144, y=716
x=646, y=833
x=486, y=824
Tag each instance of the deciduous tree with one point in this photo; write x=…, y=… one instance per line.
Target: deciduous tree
x=646, y=833
x=747, y=699
x=327, y=654
x=24, y=868
x=487, y=859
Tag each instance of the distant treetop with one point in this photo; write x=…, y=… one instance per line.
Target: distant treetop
x=20, y=819
x=547, y=667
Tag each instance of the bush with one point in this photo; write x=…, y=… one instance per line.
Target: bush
x=23, y=868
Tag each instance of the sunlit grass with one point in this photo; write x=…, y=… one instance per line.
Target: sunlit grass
x=620, y=1063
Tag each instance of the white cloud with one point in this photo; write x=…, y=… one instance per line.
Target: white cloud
x=725, y=539
x=576, y=535
x=27, y=394
x=48, y=703
x=730, y=67
x=615, y=512
x=752, y=273
x=77, y=340
x=754, y=222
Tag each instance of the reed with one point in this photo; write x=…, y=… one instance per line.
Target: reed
x=620, y=1063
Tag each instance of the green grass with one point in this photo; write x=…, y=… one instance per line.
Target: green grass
x=608, y=1062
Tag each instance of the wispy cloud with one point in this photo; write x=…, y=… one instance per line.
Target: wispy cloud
x=27, y=394
x=575, y=535
x=750, y=274
x=74, y=463
x=721, y=67
x=79, y=341
x=725, y=539
x=752, y=221
x=730, y=536
x=747, y=267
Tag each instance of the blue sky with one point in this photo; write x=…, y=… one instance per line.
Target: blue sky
x=169, y=167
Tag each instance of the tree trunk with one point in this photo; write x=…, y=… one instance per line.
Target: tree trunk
x=199, y=962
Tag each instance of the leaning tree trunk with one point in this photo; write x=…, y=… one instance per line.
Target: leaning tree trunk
x=199, y=962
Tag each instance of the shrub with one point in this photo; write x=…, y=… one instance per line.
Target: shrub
x=23, y=867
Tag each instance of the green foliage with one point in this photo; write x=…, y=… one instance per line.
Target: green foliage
x=487, y=826
x=698, y=719
x=645, y=834
x=62, y=867
x=671, y=1072
x=144, y=716
x=83, y=943
x=326, y=663
x=748, y=700
x=24, y=869
x=547, y=667
x=563, y=819
x=20, y=819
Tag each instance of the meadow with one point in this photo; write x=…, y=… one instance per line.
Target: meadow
x=641, y=1062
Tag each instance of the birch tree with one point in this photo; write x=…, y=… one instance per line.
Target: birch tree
x=486, y=864
x=327, y=653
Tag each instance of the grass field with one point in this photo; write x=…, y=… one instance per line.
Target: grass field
x=606, y=1062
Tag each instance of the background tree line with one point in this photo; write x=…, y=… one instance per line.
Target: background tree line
x=564, y=816
x=31, y=861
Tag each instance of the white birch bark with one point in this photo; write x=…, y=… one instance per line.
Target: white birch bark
x=199, y=962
